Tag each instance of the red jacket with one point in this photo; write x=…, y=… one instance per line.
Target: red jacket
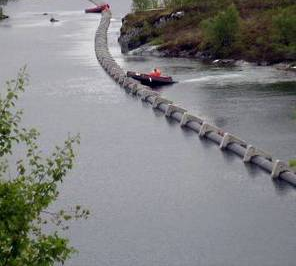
x=155, y=73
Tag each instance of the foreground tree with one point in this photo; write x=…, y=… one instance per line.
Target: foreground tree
x=28, y=188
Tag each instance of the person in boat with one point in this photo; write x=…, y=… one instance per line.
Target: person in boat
x=155, y=73
x=106, y=7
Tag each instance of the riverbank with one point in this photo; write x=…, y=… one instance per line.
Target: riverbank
x=253, y=32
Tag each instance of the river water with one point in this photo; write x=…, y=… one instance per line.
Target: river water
x=158, y=194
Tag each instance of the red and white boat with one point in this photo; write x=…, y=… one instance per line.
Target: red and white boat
x=151, y=81
x=98, y=9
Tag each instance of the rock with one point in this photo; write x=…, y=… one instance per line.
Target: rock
x=292, y=67
x=130, y=36
x=262, y=63
x=165, y=19
x=178, y=15
x=242, y=63
x=129, y=41
x=204, y=56
x=224, y=62
x=146, y=50
x=52, y=20
x=286, y=66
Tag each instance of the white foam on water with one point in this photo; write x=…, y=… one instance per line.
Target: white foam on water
x=212, y=78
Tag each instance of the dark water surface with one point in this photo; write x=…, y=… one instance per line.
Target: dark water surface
x=158, y=195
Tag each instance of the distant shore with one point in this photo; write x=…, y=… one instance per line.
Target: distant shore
x=258, y=36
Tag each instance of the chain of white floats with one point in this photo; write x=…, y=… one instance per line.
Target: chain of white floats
x=226, y=141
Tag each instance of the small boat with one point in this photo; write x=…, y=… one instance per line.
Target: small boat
x=151, y=81
x=97, y=9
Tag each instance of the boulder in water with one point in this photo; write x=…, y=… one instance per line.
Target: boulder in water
x=54, y=20
x=224, y=62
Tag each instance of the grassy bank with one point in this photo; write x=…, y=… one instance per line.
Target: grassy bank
x=253, y=30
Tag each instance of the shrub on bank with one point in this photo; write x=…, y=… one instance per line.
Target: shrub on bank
x=141, y=5
x=284, y=32
x=222, y=31
x=292, y=163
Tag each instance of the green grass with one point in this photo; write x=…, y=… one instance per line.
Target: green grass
x=157, y=41
x=292, y=163
x=294, y=115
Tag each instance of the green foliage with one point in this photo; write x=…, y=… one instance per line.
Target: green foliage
x=292, y=163
x=284, y=25
x=294, y=114
x=142, y=5
x=154, y=4
x=178, y=3
x=28, y=188
x=157, y=41
x=222, y=31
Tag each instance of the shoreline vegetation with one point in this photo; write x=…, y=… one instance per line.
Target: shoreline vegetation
x=221, y=31
x=2, y=15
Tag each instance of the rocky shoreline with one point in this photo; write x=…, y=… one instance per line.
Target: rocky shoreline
x=154, y=50
x=143, y=34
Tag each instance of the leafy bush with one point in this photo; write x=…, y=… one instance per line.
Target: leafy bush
x=284, y=25
x=154, y=3
x=157, y=41
x=221, y=32
x=29, y=188
x=142, y=5
x=292, y=163
x=178, y=3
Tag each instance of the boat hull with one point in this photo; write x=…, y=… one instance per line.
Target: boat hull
x=150, y=80
x=97, y=9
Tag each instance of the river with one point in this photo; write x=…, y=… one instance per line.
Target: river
x=158, y=195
